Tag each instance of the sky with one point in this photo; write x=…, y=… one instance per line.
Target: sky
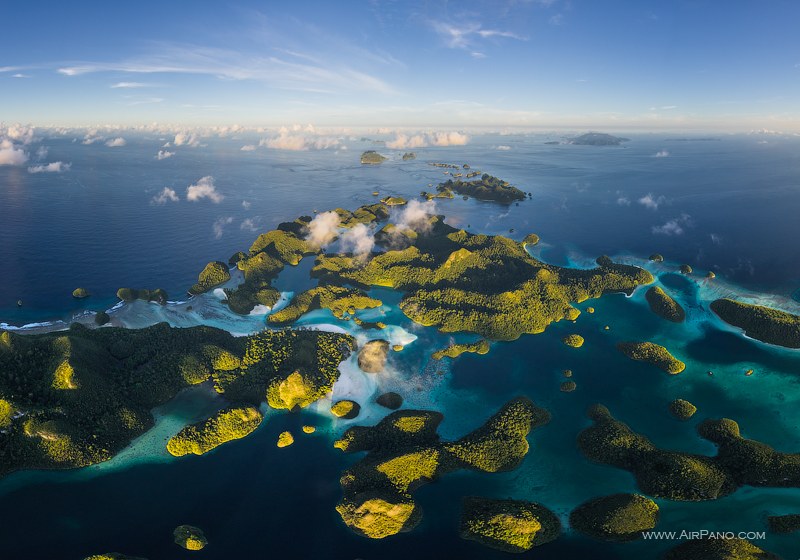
x=620, y=64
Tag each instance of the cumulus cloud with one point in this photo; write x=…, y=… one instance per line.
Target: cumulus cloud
x=248, y=148
x=11, y=154
x=415, y=215
x=219, y=226
x=297, y=139
x=249, y=224
x=662, y=153
x=503, y=148
x=323, y=229
x=164, y=154
x=441, y=139
x=204, y=188
x=55, y=167
x=624, y=201
x=673, y=227
x=358, y=240
x=651, y=201
x=18, y=133
x=166, y=195
x=246, y=205
x=116, y=142
x=186, y=139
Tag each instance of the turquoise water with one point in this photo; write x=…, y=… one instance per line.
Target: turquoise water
x=259, y=501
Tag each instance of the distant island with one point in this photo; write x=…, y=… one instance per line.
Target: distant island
x=371, y=157
x=486, y=188
x=597, y=139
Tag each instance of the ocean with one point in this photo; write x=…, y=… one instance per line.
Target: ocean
x=727, y=204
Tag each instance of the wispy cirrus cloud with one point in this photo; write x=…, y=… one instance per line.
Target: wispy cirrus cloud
x=130, y=85
x=468, y=35
x=290, y=70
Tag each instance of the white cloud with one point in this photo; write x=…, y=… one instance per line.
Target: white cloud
x=662, y=154
x=297, y=139
x=358, y=240
x=466, y=35
x=716, y=239
x=673, y=227
x=248, y=148
x=18, y=133
x=128, y=85
x=415, y=215
x=166, y=195
x=10, y=154
x=246, y=205
x=624, y=201
x=405, y=142
x=186, y=139
x=651, y=201
x=204, y=188
x=503, y=148
x=117, y=142
x=55, y=167
x=323, y=229
x=41, y=153
x=249, y=224
x=219, y=226
x=164, y=154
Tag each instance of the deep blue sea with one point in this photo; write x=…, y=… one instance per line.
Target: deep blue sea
x=728, y=205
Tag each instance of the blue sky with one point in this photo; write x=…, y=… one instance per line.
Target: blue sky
x=634, y=64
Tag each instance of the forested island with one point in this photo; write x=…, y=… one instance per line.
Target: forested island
x=762, y=323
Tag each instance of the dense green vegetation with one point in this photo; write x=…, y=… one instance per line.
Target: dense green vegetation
x=339, y=300
x=486, y=188
x=393, y=200
x=573, y=340
x=762, y=323
x=372, y=157
x=112, y=556
x=656, y=257
x=488, y=285
x=531, y=239
x=784, y=523
x=718, y=549
x=681, y=409
x=190, y=537
x=225, y=425
x=404, y=452
x=390, y=400
x=568, y=386
x=214, y=274
x=619, y=517
x=652, y=353
x=686, y=269
x=80, y=293
x=455, y=350
x=346, y=409
x=508, y=525
x=664, y=306
x=409, y=155
x=131, y=294
x=684, y=476
x=85, y=394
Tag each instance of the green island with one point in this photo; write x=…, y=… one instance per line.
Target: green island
x=394, y=201
x=718, y=549
x=225, y=425
x=404, y=452
x=784, y=524
x=390, y=400
x=762, y=323
x=80, y=293
x=618, y=518
x=371, y=157
x=508, y=525
x=112, y=556
x=675, y=475
x=656, y=257
x=345, y=409
x=339, y=300
x=214, y=274
x=597, y=139
x=686, y=269
x=664, y=306
x=128, y=295
x=409, y=155
x=652, y=353
x=455, y=350
x=573, y=340
x=190, y=537
x=530, y=239
x=487, y=188
x=681, y=409
x=567, y=386
x=77, y=397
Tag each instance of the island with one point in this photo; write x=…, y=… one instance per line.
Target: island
x=487, y=188
x=616, y=518
x=80, y=293
x=664, y=306
x=718, y=549
x=214, y=274
x=656, y=257
x=455, y=350
x=573, y=340
x=371, y=157
x=190, y=537
x=225, y=425
x=404, y=452
x=390, y=400
x=113, y=556
x=686, y=269
x=80, y=396
x=508, y=525
x=409, y=155
x=762, y=323
x=345, y=409
x=681, y=409
x=128, y=295
x=784, y=524
x=597, y=139
x=652, y=353
x=677, y=475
